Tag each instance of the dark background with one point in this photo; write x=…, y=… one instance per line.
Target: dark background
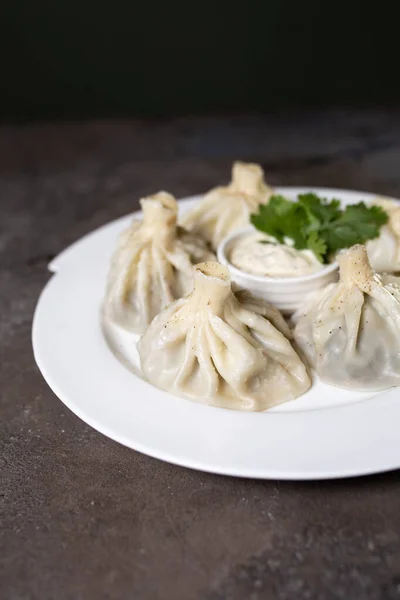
x=73, y=59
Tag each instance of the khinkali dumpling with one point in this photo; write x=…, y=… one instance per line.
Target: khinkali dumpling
x=384, y=251
x=225, y=209
x=152, y=265
x=214, y=349
x=350, y=332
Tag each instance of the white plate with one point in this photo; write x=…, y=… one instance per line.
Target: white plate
x=326, y=433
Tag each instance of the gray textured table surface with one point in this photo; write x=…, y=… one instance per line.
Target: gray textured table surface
x=84, y=518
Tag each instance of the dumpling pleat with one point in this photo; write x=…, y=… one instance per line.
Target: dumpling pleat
x=123, y=272
x=352, y=317
x=142, y=287
x=208, y=373
x=235, y=359
x=189, y=360
x=275, y=345
x=163, y=276
x=232, y=214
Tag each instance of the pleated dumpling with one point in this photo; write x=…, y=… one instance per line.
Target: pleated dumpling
x=350, y=332
x=384, y=251
x=152, y=265
x=225, y=209
x=212, y=348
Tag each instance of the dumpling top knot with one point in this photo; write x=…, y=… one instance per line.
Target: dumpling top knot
x=212, y=285
x=249, y=179
x=160, y=206
x=160, y=214
x=355, y=268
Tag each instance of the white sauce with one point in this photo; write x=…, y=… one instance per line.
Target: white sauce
x=271, y=259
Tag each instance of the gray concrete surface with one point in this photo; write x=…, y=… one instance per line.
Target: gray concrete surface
x=84, y=518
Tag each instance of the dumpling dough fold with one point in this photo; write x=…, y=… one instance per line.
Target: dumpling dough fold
x=384, y=251
x=152, y=265
x=212, y=348
x=225, y=209
x=350, y=332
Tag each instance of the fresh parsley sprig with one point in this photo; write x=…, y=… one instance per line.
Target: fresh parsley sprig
x=318, y=224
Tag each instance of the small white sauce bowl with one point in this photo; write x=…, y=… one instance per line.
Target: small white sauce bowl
x=286, y=293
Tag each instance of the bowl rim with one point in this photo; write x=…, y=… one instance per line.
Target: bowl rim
x=222, y=258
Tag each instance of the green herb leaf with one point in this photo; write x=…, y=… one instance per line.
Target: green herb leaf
x=356, y=224
x=319, y=209
x=319, y=224
x=317, y=245
x=272, y=217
